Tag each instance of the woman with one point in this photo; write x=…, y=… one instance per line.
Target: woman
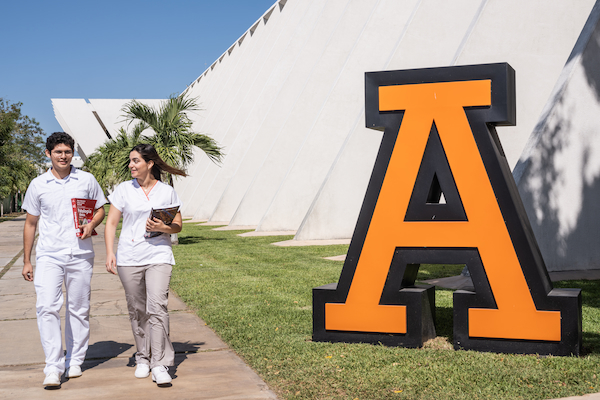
x=145, y=264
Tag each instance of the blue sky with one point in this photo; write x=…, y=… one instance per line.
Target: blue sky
x=112, y=49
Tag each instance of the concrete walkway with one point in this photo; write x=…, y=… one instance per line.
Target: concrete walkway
x=205, y=367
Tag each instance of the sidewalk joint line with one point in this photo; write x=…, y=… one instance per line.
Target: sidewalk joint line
x=17, y=319
x=10, y=264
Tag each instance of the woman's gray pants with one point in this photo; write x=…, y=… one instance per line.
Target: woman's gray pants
x=147, y=294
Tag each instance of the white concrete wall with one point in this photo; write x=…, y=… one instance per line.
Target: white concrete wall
x=296, y=107
x=364, y=46
x=263, y=84
x=76, y=118
x=531, y=36
x=111, y=113
x=535, y=37
x=272, y=105
x=558, y=174
x=334, y=211
x=286, y=102
x=212, y=91
x=224, y=120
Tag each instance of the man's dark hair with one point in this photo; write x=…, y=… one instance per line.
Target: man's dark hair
x=58, y=138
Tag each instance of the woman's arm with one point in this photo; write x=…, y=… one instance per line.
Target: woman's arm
x=114, y=215
x=156, y=225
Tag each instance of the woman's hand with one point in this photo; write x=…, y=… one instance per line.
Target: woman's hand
x=156, y=225
x=111, y=263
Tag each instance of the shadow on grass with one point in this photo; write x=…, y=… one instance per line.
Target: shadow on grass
x=590, y=298
x=198, y=239
x=590, y=291
x=444, y=322
x=591, y=343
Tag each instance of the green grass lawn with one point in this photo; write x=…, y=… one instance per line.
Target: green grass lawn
x=258, y=298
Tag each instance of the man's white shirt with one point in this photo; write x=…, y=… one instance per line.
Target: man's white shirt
x=50, y=198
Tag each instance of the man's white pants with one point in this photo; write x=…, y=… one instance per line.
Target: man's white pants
x=76, y=273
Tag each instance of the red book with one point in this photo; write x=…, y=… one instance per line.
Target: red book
x=83, y=212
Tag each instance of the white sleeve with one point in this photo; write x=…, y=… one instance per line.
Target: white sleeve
x=175, y=199
x=96, y=193
x=116, y=197
x=32, y=201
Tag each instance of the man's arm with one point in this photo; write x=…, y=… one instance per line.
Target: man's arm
x=86, y=230
x=28, y=239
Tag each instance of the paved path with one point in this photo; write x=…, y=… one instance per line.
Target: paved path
x=205, y=367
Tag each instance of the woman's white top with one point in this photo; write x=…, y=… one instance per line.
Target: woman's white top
x=135, y=205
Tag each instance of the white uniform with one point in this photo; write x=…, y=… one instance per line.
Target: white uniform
x=145, y=266
x=62, y=256
x=135, y=205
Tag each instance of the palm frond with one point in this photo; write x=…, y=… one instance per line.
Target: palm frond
x=168, y=129
x=110, y=162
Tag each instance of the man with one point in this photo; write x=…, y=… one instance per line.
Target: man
x=61, y=256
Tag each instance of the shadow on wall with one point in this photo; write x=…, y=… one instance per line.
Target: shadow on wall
x=559, y=180
x=590, y=61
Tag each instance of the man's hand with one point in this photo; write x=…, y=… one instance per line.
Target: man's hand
x=28, y=271
x=86, y=231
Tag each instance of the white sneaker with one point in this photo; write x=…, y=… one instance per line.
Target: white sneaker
x=52, y=379
x=74, y=371
x=160, y=375
x=142, y=371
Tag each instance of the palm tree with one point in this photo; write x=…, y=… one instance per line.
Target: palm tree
x=110, y=162
x=173, y=137
x=169, y=130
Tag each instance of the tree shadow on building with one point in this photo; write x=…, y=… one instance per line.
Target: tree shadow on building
x=559, y=179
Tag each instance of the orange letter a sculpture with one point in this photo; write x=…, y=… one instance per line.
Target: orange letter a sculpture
x=439, y=138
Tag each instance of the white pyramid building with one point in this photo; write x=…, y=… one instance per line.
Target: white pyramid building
x=286, y=101
x=558, y=174
x=92, y=122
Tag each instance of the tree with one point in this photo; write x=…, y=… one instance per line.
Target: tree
x=169, y=130
x=21, y=149
x=109, y=163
